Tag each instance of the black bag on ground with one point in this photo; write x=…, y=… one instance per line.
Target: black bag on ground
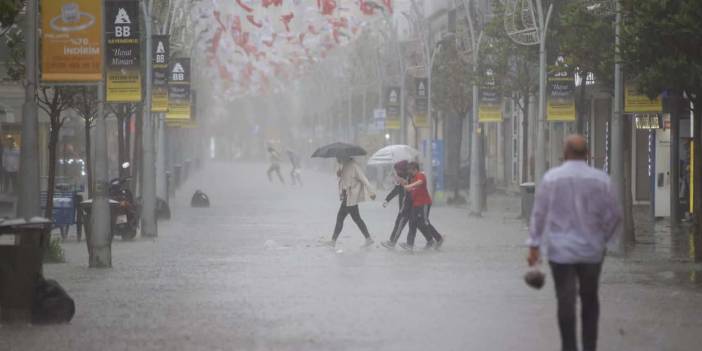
x=51, y=303
x=200, y=199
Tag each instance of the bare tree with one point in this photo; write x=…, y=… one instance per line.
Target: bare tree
x=85, y=103
x=54, y=101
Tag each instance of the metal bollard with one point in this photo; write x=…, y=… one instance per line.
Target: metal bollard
x=176, y=176
x=527, y=195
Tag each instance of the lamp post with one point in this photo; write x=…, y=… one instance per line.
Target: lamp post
x=524, y=29
x=28, y=202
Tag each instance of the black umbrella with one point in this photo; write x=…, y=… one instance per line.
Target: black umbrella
x=339, y=150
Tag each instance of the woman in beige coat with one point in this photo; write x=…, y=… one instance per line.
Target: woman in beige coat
x=354, y=188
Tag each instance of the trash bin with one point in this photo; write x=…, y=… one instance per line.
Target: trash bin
x=21, y=244
x=527, y=194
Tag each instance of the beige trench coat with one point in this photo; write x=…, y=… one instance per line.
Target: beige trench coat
x=357, y=186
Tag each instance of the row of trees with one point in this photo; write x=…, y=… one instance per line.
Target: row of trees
x=57, y=101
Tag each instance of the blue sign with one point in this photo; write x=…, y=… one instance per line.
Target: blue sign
x=437, y=148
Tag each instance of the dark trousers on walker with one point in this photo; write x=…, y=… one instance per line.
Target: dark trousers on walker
x=355, y=215
x=572, y=280
x=420, y=220
x=275, y=168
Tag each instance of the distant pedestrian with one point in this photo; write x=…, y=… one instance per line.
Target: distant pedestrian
x=576, y=212
x=295, y=173
x=421, y=206
x=274, y=158
x=405, y=204
x=10, y=164
x=354, y=188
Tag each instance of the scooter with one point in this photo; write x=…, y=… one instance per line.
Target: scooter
x=126, y=212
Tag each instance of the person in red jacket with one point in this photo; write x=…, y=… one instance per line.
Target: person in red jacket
x=421, y=205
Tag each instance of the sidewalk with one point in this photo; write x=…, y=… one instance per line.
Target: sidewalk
x=249, y=274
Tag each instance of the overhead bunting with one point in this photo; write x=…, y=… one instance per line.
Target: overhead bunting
x=256, y=46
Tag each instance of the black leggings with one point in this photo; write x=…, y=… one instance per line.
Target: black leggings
x=572, y=280
x=420, y=220
x=275, y=168
x=355, y=215
x=402, y=219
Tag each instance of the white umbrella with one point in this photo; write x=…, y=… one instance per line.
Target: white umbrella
x=392, y=154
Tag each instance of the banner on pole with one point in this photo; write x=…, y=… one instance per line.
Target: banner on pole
x=392, y=108
x=159, y=81
x=635, y=102
x=71, y=48
x=421, y=103
x=179, y=90
x=123, y=50
x=490, y=106
x=561, y=96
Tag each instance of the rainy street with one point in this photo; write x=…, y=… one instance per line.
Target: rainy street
x=249, y=273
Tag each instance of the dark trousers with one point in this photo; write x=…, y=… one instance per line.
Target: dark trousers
x=275, y=168
x=295, y=177
x=420, y=220
x=355, y=215
x=584, y=279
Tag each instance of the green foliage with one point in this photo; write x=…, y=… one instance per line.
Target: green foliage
x=9, y=9
x=514, y=64
x=661, y=41
x=14, y=41
x=451, y=86
x=54, y=252
x=586, y=39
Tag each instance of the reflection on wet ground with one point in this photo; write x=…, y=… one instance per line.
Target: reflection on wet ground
x=663, y=254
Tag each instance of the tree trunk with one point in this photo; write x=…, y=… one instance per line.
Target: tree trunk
x=51, y=183
x=525, y=138
x=121, y=156
x=454, y=136
x=697, y=181
x=136, y=169
x=88, y=158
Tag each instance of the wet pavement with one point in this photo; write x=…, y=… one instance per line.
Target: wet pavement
x=250, y=274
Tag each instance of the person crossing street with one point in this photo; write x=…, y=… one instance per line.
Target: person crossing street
x=421, y=205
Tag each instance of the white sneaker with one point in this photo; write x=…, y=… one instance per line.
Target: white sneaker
x=368, y=242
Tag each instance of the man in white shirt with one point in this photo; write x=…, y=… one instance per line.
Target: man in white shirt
x=576, y=213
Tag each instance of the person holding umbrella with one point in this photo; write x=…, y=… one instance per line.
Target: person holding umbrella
x=354, y=187
x=421, y=204
x=405, y=201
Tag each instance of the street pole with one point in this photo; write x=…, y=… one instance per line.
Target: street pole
x=100, y=250
x=403, y=115
x=429, y=168
x=149, y=227
x=161, y=181
x=476, y=189
x=28, y=202
x=617, y=133
x=541, y=125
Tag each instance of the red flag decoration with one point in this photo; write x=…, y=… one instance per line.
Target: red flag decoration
x=327, y=7
x=252, y=20
x=286, y=20
x=244, y=6
x=268, y=3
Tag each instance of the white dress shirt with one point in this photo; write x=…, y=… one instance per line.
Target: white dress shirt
x=576, y=212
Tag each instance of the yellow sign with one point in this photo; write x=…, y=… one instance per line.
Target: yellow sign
x=159, y=99
x=123, y=86
x=635, y=102
x=186, y=123
x=561, y=100
x=490, y=105
x=71, y=41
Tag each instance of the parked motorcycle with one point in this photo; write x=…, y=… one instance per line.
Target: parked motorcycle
x=127, y=211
